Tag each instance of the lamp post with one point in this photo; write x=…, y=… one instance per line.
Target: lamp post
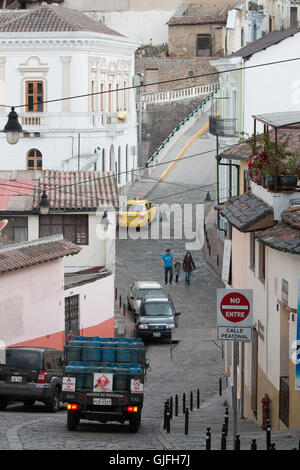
x=13, y=128
x=44, y=204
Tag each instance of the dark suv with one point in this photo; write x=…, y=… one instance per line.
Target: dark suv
x=29, y=374
x=157, y=317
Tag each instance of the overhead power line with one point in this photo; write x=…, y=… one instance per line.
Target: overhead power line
x=163, y=82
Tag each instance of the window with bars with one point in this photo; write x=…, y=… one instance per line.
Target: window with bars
x=16, y=230
x=34, y=97
x=34, y=160
x=73, y=227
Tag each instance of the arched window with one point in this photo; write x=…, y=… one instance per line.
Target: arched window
x=111, y=158
x=34, y=160
x=126, y=163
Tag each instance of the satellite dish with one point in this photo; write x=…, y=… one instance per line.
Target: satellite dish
x=3, y=224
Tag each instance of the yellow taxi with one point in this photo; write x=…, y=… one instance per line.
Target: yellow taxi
x=137, y=213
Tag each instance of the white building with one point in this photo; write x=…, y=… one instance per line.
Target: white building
x=49, y=53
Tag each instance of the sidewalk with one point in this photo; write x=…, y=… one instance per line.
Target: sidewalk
x=211, y=414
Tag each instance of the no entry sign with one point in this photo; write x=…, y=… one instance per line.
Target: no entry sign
x=234, y=314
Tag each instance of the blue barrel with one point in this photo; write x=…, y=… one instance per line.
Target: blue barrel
x=89, y=370
x=77, y=370
x=73, y=351
x=108, y=352
x=120, y=382
x=92, y=351
x=123, y=352
x=137, y=353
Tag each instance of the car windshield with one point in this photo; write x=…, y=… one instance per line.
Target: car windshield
x=134, y=208
x=26, y=359
x=163, y=309
x=142, y=292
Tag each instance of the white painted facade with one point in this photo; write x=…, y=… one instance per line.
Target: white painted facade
x=71, y=64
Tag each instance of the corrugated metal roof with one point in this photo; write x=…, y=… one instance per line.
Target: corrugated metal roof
x=266, y=41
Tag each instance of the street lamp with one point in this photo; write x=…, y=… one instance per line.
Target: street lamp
x=44, y=204
x=12, y=128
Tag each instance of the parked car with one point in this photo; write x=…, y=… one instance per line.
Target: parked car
x=138, y=290
x=137, y=213
x=157, y=317
x=29, y=374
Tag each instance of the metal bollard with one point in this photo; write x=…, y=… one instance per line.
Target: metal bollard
x=191, y=401
x=226, y=420
x=168, y=423
x=120, y=301
x=186, y=422
x=272, y=446
x=268, y=434
x=124, y=310
x=253, y=445
x=198, y=398
x=116, y=293
x=183, y=403
x=165, y=415
x=220, y=386
x=171, y=408
x=208, y=439
x=223, y=439
x=237, y=443
x=176, y=405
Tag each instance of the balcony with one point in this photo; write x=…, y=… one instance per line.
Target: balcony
x=222, y=127
x=64, y=122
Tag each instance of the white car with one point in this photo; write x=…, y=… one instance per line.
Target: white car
x=137, y=290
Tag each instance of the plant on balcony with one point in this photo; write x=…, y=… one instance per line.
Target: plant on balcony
x=268, y=160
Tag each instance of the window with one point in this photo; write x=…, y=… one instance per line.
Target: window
x=109, y=98
x=242, y=37
x=203, y=45
x=119, y=165
x=262, y=262
x=16, y=229
x=73, y=227
x=252, y=251
x=103, y=159
x=102, y=97
x=125, y=96
x=34, y=97
x=34, y=160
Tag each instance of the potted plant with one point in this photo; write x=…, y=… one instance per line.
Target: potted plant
x=290, y=172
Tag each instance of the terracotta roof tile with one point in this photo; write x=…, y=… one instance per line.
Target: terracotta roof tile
x=48, y=18
x=23, y=255
x=189, y=20
x=77, y=190
x=245, y=210
x=285, y=236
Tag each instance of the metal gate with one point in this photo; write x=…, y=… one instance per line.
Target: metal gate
x=284, y=393
x=71, y=316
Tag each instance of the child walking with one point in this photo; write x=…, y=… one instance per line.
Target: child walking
x=177, y=267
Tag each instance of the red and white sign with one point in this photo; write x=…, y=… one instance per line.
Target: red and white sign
x=103, y=382
x=234, y=307
x=136, y=386
x=69, y=384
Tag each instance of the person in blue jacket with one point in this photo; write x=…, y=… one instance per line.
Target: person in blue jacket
x=167, y=264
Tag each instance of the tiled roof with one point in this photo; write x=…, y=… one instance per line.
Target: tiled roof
x=246, y=210
x=243, y=150
x=285, y=236
x=189, y=20
x=266, y=41
x=77, y=190
x=48, y=18
x=23, y=255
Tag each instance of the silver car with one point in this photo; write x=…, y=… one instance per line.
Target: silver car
x=137, y=290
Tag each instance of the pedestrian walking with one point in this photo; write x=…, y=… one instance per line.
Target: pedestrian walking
x=167, y=264
x=177, y=268
x=188, y=266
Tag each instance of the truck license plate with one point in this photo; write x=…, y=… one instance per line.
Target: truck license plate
x=156, y=335
x=102, y=401
x=16, y=378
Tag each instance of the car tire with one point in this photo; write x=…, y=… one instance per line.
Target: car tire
x=29, y=403
x=134, y=424
x=129, y=306
x=53, y=403
x=3, y=404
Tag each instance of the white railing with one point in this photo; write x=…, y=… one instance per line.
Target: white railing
x=180, y=94
x=39, y=122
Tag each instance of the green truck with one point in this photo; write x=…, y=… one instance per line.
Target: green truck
x=103, y=380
